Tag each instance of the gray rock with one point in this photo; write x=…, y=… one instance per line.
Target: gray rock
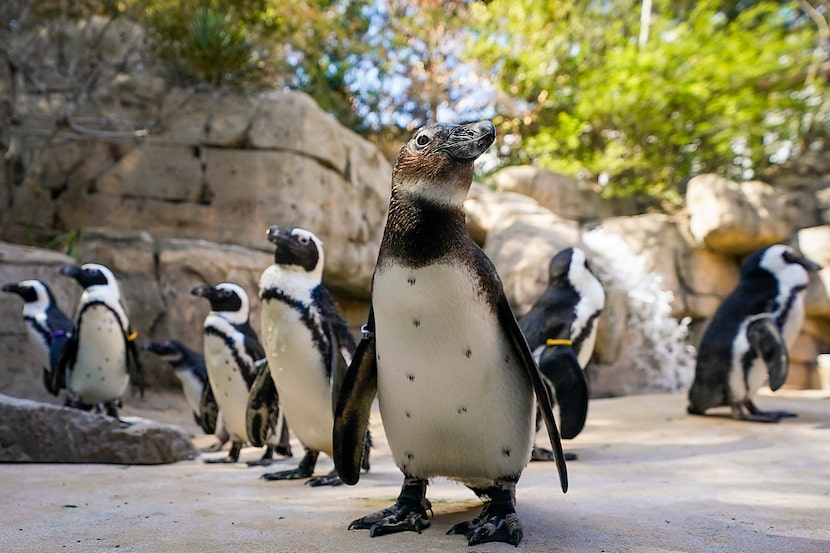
x=738, y=218
x=34, y=432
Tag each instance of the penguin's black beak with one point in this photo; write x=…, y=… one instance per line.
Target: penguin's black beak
x=72, y=271
x=808, y=264
x=13, y=288
x=467, y=142
x=273, y=233
x=204, y=291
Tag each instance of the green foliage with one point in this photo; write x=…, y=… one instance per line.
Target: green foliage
x=709, y=91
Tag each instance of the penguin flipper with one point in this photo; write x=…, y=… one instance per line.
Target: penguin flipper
x=338, y=364
x=209, y=410
x=560, y=366
x=56, y=345
x=768, y=343
x=133, y=361
x=65, y=358
x=354, y=405
x=508, y=322
x=263, y=407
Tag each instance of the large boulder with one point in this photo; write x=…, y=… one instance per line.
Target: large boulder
x=738, y=218
x=568, y=197
x=34, y=432
x=814, y=243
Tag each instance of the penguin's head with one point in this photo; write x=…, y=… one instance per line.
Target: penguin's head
x=89, y=275
x=227, y=298
x=34, y=293
x=436, y=163
x=171, y=351
x=787, y=265
x=296, y=247
x=570, y=267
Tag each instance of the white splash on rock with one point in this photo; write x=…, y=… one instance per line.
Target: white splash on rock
x=655, y=344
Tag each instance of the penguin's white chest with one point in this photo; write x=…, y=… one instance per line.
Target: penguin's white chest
x=299, y=372
x=192, y=388
x=454, y=399
x=228, y=385
x=100, y=370
x=39, y=343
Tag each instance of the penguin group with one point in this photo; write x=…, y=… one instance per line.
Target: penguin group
x=463, y=387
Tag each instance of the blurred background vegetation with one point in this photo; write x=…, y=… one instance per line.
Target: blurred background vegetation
x=636, y=95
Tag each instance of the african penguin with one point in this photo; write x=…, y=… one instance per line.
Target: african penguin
x=47, y=326
x=233, y=359
x=747, y=339
x=561, y=329
x=456, y=381
x=308, y=346
x=99, y=356
x=189, y=368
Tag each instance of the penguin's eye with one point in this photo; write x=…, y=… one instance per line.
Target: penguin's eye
x=304, y=240
x=423, y=139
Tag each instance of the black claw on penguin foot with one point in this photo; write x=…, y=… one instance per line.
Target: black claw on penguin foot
x=331, y=479
x=400, y=517
x=296, y=474
x=492, y=525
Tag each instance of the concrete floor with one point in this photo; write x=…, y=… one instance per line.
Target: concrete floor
x=649, y=479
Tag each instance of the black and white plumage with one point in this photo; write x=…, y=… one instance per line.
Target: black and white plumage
x=455, y=378
x=748, y=337
x=233, y=359
x=100, y=355
x=308, y=346
x=47, y=326
x=561, y=329
x=189, y=368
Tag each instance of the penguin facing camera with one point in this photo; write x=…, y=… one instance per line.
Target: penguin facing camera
x=233, y=359
x=452, y=371
x=47, y=327
x=748, y=337
x=100, y=355
x=561, y=329
x=308, y=346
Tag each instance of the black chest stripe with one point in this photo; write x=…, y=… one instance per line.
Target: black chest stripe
x=321, y=342
x=245, y=367
x=39, y=329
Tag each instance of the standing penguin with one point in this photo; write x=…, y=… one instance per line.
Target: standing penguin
x=98, y=357
x=308, y=346
x=189, y=368
x=453, y=373
x=47, y=326
x=561, y=329
x=233, y=358
x=751, y=331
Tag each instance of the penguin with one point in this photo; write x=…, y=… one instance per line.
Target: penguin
x=47, y=326
x=561, y=329
x=189, y=368
x=98, y=357
x=233, y=359
x=455, y=379
x=748, y=337
x=308, y=347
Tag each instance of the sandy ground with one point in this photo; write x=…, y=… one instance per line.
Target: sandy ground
x=649, y=479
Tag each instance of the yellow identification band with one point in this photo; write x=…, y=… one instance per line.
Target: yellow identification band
x=552, y=342
x=133, y=335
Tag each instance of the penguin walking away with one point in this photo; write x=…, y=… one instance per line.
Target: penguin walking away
x=47, y=326
x=98, y=357
x=561, y=329
x=747, y=339
x=308, y=346
x=189, y=368
x=233, y=359
x=454, y=376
